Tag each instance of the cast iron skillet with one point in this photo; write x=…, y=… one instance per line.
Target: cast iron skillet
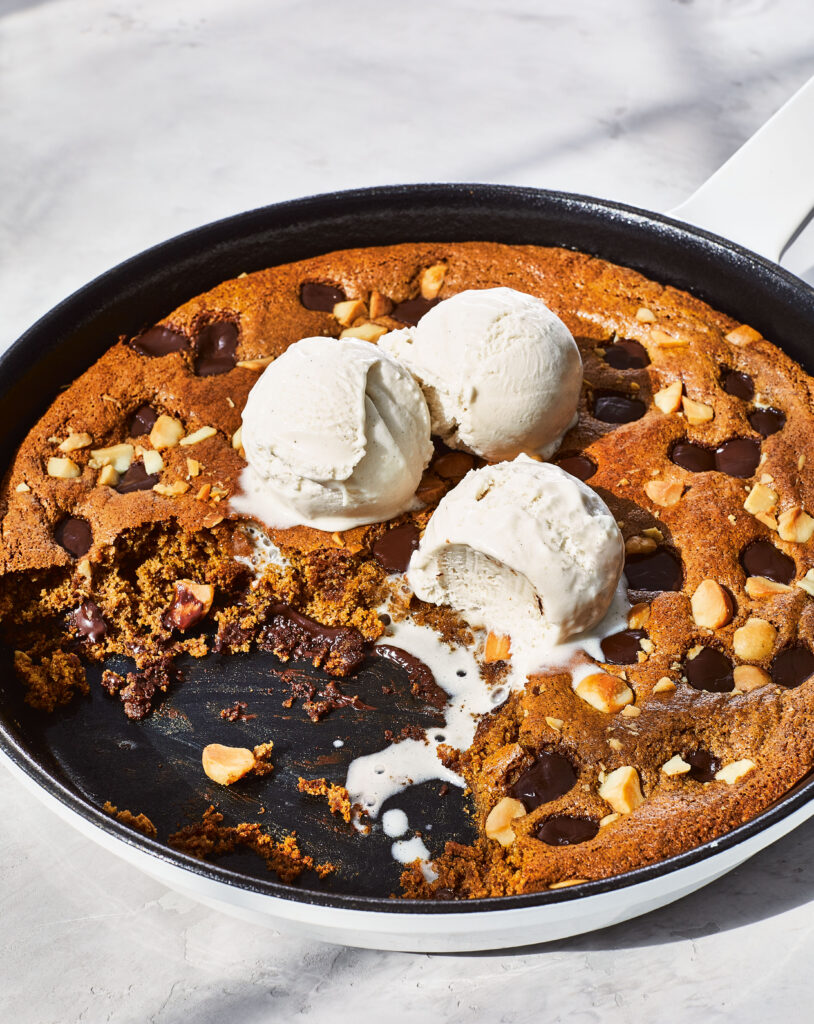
x=90, y=752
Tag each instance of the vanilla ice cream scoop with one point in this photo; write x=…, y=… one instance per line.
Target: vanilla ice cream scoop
x=336, y=434
x=501, y=373
x=523, y=549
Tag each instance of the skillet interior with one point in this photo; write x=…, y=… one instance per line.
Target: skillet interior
x=91, y=753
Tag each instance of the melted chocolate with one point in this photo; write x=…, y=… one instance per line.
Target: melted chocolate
x=767, y=421
x=615, y=407
x=761, y=558
x=566, y=830
x=738, y=384
x=693, y=457
x=626, y=354
x=74, y=535
x=393, y=550
x=320, y=297
x=411, y=311
x=709, y=670
x=792, y=667
x=703, y=765
x=339, y=650
x=142, y=420
x=550, y=776
x=136, y=479
x=215, y=349
x=422, y=681
x=623, y=648
x=577, y=465
x=159, y=341
x=738, y=457
x=89, y=622
x=658, y=570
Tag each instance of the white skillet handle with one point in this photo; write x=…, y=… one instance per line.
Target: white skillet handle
x=765, y=191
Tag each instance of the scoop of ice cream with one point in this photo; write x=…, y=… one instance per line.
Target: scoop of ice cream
x=523, y=549
x=501, y=373
x=336, y=434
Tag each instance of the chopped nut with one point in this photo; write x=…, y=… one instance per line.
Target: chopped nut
x=73, y=442
x=153, y=463
x=226, y=765
x=638, y=616
x=767, y=519
x=801, y=461
x=191, y=603
x=754, y=640
x=255, y=364
x=631, y=711
x=645, y=315
x=743, y=335
x=119, y=456
x=21, y=488
x=806, y=583
x=676, y=766
x=83, y=568
x=380, y=305
x=431, y=280
x=609, y=819
x=669, y=399
x=664, y=685
x=173, y=490
x=795, y=525
x=750, y=677
x=62, y=469
x=193, y=467
x=711, y=605
x=640, y=545
x=647, y=646
x=498, y=648
x=696, y=412
x=203, y=493
x=664, y=493
x=730, y=773
x=198, y=435
x=349, y=310
x=622, y=790
x=498, y=821
x=667, y=340
x=762, y=586
x=760, y=499
x=554, y=723
x=218, y=492
x=653, y=532
x=614, y=743
x=567, y=883
x=605, y=692
x=166, y=432
x=108, y=477
x=237, y=438
x=367, y=332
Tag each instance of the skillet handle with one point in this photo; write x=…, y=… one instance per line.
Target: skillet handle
x=765, y=191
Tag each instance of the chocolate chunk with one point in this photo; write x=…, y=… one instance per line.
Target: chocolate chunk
x=693, y=457
x=422, y=680
x=141, y=687
x=188, y=608
x=615, y=407
x=792, y=667
x=393, y=550
x=74, y=535
x=215, y=349
x=550, y=776
x=320, y=297
x=566, y=830
x=339, y=650
x=136, y=479
x=159, y=341
x=576, y=464
x=738, y=384
x=658, y=570
x=767, y=421
x=142, y=420
x=761, y=558
x=623, y=648
x=89, y=622
x=709, y=670
x=703, y=765
x=738, y=457
x=626, y=354
x=411, y=311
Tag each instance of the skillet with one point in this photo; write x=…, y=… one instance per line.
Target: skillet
x=79, y=758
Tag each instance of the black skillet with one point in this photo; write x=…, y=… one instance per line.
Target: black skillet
x=90, y=753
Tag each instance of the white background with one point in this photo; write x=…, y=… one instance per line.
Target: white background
x=124, y=123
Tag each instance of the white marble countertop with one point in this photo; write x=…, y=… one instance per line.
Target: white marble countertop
x=125, y=123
